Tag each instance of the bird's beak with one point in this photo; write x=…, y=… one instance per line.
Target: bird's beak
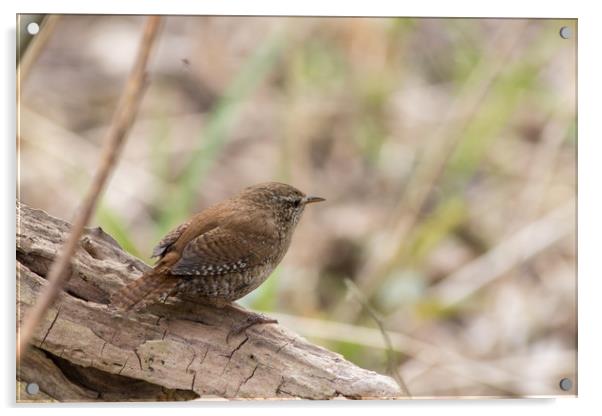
x=312, y=199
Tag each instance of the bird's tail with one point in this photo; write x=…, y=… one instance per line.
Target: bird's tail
x=147, y=289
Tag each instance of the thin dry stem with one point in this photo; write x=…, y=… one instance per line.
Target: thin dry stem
x=35, y=47
x=120, y=126
x=391, y=360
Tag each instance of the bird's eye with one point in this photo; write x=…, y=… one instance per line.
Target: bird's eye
x=296, y=203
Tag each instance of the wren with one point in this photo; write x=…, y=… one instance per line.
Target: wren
x=224, y=252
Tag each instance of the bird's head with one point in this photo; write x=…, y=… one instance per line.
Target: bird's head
x=286, y=202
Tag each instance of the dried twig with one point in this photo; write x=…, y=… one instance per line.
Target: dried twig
x=36, y=46
x=120, y=125
x=391, y=361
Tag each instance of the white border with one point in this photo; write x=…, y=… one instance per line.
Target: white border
x=590, y=208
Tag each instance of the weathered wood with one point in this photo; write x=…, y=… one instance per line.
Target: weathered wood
x=179, y=350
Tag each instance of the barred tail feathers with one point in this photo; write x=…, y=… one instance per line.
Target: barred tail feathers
x=147, y=289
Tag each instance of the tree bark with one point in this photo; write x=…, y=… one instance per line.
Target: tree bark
x=179, y=350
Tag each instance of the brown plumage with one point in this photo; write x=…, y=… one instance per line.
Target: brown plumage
x=223, y=252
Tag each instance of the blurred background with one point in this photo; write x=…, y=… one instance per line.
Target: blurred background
x=446, y=150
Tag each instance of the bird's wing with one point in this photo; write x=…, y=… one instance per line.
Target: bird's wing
x=225, y=249
x=170, y=238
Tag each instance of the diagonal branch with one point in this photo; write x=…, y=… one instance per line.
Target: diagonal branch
x=28, y=57
x=120, y=126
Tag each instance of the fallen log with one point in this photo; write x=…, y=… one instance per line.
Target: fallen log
x=85, y=350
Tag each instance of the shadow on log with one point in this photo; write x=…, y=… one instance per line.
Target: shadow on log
x=179, y=350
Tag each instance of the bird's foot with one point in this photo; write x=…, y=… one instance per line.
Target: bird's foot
x=252, y=319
